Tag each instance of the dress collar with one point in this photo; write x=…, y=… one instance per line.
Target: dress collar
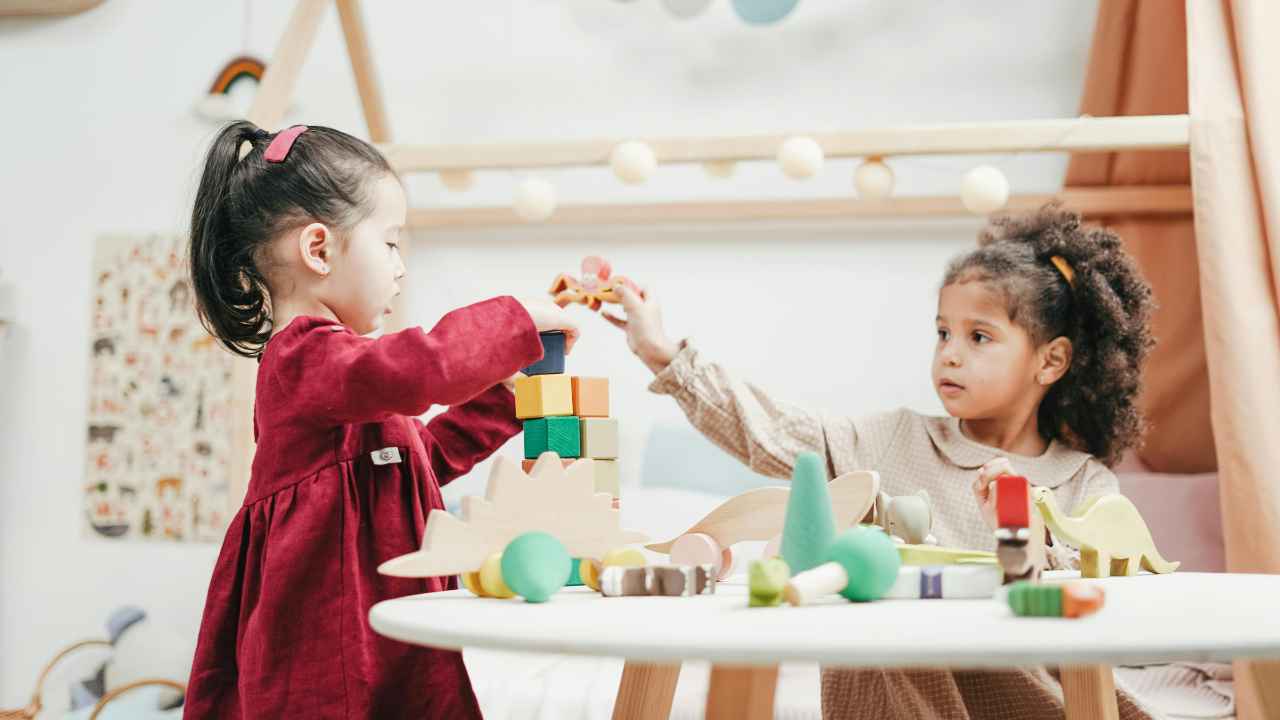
x=1052, y=468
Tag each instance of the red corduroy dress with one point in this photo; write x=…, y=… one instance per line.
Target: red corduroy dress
x=343, y=479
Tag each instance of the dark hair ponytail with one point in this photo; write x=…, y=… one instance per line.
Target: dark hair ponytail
x=1104, y=310
x=243, y=203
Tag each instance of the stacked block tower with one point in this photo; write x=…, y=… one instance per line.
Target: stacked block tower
x=568, y=416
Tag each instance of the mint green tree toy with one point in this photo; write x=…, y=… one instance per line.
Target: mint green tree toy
x=810, y=524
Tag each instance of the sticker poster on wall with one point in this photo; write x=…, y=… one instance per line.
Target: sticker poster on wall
x=159, y=400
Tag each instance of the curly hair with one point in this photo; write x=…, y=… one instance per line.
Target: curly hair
x=1104, y=311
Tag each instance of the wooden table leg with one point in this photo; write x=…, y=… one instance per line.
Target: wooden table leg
x=1089, y=692
x=1266, y=683
x=646, y=691
x=744, y=693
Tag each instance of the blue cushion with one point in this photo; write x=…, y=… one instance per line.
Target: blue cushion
x=677, y=456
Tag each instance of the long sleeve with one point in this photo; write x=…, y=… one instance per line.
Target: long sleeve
x=466, y=434
x=747, y=423
x=338, y=377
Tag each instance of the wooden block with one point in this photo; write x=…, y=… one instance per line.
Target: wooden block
x=560, y=435
x=543, y=396
x=528, y=463
x=1013, y=501
x=600, y=438
x=949, y=582
x=552, y=362
x=668, y=580
x=591, y=397
x=606, y=477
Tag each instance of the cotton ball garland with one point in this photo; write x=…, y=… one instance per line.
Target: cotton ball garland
x=633, y=162
x=873, y=180
x=984, y=190
x=457, y=180
x=720, y=169
x=800, y=157
x=535, y=200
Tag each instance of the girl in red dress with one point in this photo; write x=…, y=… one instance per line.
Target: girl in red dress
x=294, y=260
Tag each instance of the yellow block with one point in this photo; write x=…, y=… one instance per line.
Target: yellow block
x=491, y=578
x=543, y=396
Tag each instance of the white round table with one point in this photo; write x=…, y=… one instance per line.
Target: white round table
x=1148, y=618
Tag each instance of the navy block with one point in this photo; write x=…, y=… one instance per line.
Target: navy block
x=552, y=362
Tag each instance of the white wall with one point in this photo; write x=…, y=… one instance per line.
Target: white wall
x=99, y=138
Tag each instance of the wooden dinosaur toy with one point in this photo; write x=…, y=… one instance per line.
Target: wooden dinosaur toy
x=759, y=515
x=1110, y=533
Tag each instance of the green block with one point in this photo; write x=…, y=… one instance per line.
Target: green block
x=561, y=435
x=810, y=523
x=768, y=580
x=575, y=577
x=1029, y=599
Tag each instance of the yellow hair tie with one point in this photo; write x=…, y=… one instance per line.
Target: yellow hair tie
x=1065, y=269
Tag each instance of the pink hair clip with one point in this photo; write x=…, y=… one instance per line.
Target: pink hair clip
x=282, y=143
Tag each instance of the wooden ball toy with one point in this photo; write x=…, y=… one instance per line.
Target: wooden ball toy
x=535, y=566
x=800, y=157
x=457, y=180
x=535, y=200
x=1068, y=600
x=633, y=162
x=471, y=581
x=491, y=578
x=863, y=566
x=719, y=169
x=590, y=570
x=702, y=549
x=873, y=180
x=984, y=190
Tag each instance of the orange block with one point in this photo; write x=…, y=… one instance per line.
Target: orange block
x=591, y=397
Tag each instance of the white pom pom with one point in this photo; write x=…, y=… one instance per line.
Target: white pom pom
x=873, y=180
x=800, y=157
x=984, y=190
x=457, y=180
x=633, y=162
x=535, y=200
x=719, y=168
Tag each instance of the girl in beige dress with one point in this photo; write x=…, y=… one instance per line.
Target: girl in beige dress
x=1042, y=331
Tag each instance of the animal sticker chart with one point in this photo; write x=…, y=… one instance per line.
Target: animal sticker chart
x=159, y=415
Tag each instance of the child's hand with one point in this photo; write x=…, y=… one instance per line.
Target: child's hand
x=549, y=316
x=643, y=326
x=982, y=488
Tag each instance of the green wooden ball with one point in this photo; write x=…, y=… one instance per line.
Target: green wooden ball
x=870, y=558
x=535, y=566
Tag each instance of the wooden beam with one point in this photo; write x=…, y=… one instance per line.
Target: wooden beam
x=46, y=7
x=353, y=30
x=1091, y=202
x=276, y=88
x=1083, y=134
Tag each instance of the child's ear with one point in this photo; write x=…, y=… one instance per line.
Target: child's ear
x=1055, y=360
x=315, y=243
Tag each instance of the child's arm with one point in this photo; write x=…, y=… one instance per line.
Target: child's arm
x=765, y=434
x=466, y=434
x=340, y=377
